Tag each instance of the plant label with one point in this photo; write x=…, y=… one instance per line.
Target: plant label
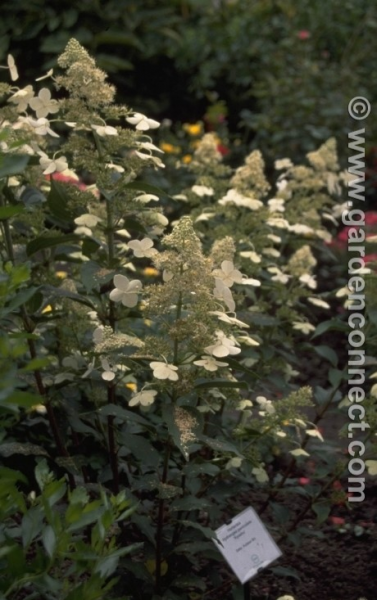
x=246, y=545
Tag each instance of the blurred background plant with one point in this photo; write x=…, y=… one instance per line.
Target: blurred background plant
x=280, y=73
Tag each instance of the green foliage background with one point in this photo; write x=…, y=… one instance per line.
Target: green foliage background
x=171, y=58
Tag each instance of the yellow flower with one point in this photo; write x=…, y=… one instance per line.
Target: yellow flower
x=47, y=309
x=169, y=148
x=131, y=386
x=39, y=408
x=193, y=128
x=61, y=274
x=151, y=272
x=186, y=159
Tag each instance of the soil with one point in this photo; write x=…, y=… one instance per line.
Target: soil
x=341, y=564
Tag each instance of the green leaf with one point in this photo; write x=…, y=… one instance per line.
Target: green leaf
x=79, y=519
x=44, y=241
x=121, y=413
x=238, y=366
x=112, y=63
x=141, y=449
x=57, y=201
x=331, y=325
x=285, y=572
x=79, y=496
x=190, y=503
x=134, y=225
x=205, y=384
x=36, y=364
x=144, y=523
x=49, y=540
x=189, y=581
x=142, y=186
x=327, y=353
x=6, y=212
x=205, y=468
x=53, y=292
x=206, y=531
x=23, y=399
x=21, y=298
x=322, y=510
x=281, y=513
x=118, y=38
x=335, y=377
x=12, y=164
x=219, y=445
x=31, y=525
x=107, y=564
x=11, y=475
x=92, y=275
x=10, y=448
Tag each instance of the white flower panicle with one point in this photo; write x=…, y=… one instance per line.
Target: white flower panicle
x=144, y=398
x=126, y=291
x=43, y=104
x=223, y=346
x=209, y=363
x=223, y=293
x=143, y=248
x=142, y=123
x=228, y=274
x=162, y=370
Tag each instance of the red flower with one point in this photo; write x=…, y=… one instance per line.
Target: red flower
x=337, y=520
x=370, y=258
x=68, y=179
x=304, y=480
x=222, y=149
x=304, y=34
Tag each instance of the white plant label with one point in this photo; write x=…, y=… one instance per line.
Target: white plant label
x=246, y=545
